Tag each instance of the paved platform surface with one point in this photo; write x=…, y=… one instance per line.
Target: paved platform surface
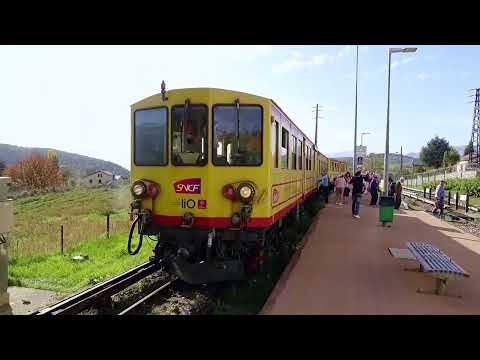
x=24, y=301
x=345, y=267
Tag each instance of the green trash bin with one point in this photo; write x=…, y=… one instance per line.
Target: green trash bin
x=386, y=204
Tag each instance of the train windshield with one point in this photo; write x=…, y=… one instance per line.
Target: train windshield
x=150, y=129
x=237, y=135
x=189, y=134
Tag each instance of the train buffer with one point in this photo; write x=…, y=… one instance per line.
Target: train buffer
x=437, y=264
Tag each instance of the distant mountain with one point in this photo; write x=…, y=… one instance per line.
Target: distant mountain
x=79, y=164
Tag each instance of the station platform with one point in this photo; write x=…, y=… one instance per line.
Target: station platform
x=344, y=267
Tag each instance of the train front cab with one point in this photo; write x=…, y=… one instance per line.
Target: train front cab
x=206, y=151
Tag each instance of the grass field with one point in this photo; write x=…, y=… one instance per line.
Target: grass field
x=82, y=212
x=106, y=258
x=35, y=259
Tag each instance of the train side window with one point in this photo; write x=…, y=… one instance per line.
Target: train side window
x=274, y=144
x=294, y=152
x=150, y=136
x=284, y=150
x=300, y=155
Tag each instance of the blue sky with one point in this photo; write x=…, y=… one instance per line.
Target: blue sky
x=77, y=98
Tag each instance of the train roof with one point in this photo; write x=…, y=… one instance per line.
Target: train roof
x=233, y=91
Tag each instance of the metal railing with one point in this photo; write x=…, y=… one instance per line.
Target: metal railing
x=452, y=199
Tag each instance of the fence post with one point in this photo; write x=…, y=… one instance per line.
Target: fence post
x=466, y=203
x=61, y=237
x=449, y=196
x=424, y=192
x=430, y=193
x=456, y=200
x=108, y=226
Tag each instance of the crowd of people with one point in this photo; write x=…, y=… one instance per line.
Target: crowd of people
x=358, y=185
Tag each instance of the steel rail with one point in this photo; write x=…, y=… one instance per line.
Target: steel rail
x=145, y=298
x=86, y=298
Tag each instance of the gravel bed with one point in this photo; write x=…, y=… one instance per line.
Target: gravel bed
x=471, y=227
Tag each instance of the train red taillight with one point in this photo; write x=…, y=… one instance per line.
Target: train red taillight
x=229, y=192
x=153, y=190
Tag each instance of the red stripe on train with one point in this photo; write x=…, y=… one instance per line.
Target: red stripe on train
x=224, y=222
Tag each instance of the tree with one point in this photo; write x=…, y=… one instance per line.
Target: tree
x=2, y=167
x=451, y=157
x=36, y=171
x=432, y=153
x=468, y=149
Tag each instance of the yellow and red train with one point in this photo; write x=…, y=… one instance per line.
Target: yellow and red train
x=213, y=173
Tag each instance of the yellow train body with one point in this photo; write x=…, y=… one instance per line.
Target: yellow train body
x=286, y=173
x=336, y=168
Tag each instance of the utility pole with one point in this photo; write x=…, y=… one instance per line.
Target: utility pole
x=401, y=160
x=317, y=109
x=474, y=156
x=355, y=136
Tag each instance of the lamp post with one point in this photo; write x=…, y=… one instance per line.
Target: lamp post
x=385, y=161
x=355, y=136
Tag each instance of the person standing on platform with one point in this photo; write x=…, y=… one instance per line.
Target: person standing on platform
x=340, y=185
x=439, y=194
x=374, y=190
x=357, y=191
x=391, y=186
x=398, y=193
x=346, y=191
x=324, y=186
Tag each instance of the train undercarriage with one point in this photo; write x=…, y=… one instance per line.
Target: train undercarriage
x=199, y=256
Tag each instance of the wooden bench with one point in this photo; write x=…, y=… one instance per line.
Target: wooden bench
x=434, y=262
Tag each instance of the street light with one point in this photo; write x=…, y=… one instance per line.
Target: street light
x=385, y=161
x=355, y=135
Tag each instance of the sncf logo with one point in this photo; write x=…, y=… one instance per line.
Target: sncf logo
x=188, y=186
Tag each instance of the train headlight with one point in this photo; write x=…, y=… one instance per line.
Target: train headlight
x=246, y=191
x=139, y=188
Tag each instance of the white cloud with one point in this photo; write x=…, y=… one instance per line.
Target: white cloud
x=345, y=51
x=423, y=76
x=297, y=61
x=408, y=59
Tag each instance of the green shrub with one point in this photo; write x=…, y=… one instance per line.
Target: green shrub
x=463, y=186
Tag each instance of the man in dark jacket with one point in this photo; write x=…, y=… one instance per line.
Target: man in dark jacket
x=374, y=191
x=398, y=193
x=357, y=191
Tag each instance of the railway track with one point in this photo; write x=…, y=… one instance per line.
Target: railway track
x=454, y=215
x=92, y=296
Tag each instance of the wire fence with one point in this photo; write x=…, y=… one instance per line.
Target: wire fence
x=451, y=172
x=61, y=235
